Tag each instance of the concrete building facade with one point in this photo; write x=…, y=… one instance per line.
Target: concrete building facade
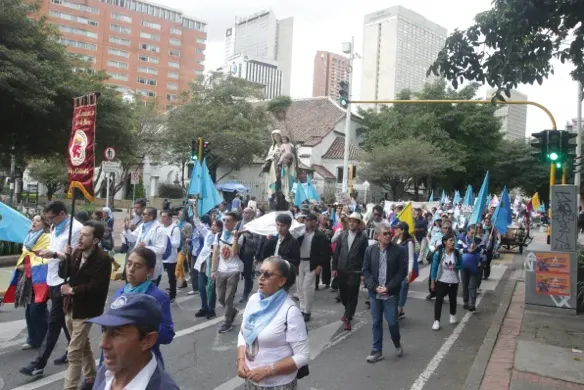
x=258, y=71
x=399, y=45
x=263, y=37
x=329, y=70
x=513, y=117
x=146, y=48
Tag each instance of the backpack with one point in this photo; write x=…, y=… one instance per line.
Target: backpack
x=168, y=251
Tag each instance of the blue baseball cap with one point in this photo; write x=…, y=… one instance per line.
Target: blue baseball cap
x=131, y=309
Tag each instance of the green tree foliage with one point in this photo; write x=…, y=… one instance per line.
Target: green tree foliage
x=220, y=110
x=466, y=135
x=51, y=172
x=515, y=43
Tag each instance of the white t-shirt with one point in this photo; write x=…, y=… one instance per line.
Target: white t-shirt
x=229, y=262
x=58, y=244
x=449, y=273
x=274, y=341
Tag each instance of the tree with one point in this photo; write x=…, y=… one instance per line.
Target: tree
x=397, y=166
x=51, y=172
x=219, y=109
x=515, y=43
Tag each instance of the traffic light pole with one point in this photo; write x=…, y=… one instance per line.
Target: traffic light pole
x=577, y=176
x=348, y=121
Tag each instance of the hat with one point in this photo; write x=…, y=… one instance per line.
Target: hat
x=356, y=216
x=131, y=309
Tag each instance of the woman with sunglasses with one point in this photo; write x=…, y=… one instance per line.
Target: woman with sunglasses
x=273, y=341
x=406, y=241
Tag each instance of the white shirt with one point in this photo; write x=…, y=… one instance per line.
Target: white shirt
x=351, y=238
x=449, y=273
x=173, y=232
x=155, y=240
x=206, y=251
x=58, y=244
x=285, y=336
x=252, y=204
x=140, y=381
x=229, y=262
x=306, y=245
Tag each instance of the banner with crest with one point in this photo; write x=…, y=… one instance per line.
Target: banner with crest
x=81, y=150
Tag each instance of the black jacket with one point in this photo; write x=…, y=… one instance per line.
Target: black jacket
x=397, y=268
x=90, y=283
x=289, y=249
x=320, y=250
x=350, y=260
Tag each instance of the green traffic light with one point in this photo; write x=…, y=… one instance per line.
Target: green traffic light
x=558, y=165
x=553, y=156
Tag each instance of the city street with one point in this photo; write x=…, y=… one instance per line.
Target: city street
x=200, y=358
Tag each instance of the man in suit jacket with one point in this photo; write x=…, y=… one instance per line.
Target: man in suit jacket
x=384, y=269
x=347, y=265
x=283, y=244
x=313, y=254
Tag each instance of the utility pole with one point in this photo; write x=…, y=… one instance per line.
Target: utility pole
x=12, y=177
x=577, y=176
x=348, y=48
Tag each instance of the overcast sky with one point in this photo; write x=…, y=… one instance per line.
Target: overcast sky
x=325, y=24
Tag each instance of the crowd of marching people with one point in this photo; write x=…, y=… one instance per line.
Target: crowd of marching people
x=346, y=249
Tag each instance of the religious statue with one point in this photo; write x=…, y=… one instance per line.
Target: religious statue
x=280, y=166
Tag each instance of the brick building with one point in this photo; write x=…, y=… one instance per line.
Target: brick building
x=329, y=70
x=146, y=48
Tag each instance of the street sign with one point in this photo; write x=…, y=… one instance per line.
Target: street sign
x=135, y=178
x=109, y=153
x=110, y=166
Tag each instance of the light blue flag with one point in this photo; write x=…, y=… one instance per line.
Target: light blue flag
x=468, y=198
x=431, y=198
x=457, y=197
x=300, y=195
x=312, y=193
x=13, y=226
x=209, y=197
x=195, y=183
x=443, y=197
x=503, y=215
x=481, y=202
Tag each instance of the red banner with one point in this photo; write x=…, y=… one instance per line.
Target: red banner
x=81, y=150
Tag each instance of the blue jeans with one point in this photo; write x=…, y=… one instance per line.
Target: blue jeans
x=37, y=322
x=384, y=308
x=207, y=302
x=403, y=294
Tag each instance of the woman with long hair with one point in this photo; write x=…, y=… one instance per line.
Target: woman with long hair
x=272, y=345
x=406, y=241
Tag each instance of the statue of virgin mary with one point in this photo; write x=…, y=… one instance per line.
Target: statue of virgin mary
x=280, y=177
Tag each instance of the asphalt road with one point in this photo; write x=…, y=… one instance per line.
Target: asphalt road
x=200, y=358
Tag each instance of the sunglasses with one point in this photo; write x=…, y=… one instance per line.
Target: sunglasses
x=265, y=274
x=386, y=234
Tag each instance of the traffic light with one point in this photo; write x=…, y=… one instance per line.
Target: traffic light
x=554, y=147
x=344, y=94
x=568, y=142
x=194, y=150
x=540, y=144
x=205, y=148
x=577, y=164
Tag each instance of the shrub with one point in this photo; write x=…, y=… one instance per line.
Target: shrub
x=170, y=191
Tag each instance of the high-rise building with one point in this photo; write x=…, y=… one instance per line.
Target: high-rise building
x=146, y=48
x=258, y=71
x=263, y=37
x=329, y=70
x=513, y=116
x=399, y=45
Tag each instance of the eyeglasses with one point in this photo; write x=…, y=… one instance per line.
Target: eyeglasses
x=265, y=274
x=386, y=234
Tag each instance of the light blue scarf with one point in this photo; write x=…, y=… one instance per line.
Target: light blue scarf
x=145, y=228
x=60, y=227
x=256, y=321
x=31, y=238
x=139, y=289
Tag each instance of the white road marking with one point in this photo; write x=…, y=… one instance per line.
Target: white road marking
x=423, y=274
x=10, y=330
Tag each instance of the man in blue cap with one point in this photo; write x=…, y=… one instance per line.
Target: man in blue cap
x=130, y=330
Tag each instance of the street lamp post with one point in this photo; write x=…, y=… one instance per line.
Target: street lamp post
x=348, y=48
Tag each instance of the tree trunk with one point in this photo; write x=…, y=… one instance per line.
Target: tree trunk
x=182, y=175
x=416, y=188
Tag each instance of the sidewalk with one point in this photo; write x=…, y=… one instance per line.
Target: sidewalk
x=534, y=350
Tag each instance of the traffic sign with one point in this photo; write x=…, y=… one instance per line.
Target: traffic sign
x=110, y=166
x=135, y=179
x=109, y=153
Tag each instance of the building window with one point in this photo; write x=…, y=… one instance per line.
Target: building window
x=198, y=72
x=148, y=24
x=118, y=76
x=201, y=40
x=144, y=58
x=173, y=64
x=117, y=64
x=145, y=92
x=73, y=18
x=174, y=53
x=145, y=69
x=171, y=97
x=145, y=46
x=172, y=75
x=78, y=31
x=119, y=41
x=199, y=62
x=172, y=86
x=91, y=59
x=175, y=31
x=175, y=42
x=121, y=89
x=120, y=29
x=121, y=17
x=339, y=175
x=78, y=44
x=152, y=82
x=80, y=7
x=118, y=52
x=200, y=51
x=152, y=37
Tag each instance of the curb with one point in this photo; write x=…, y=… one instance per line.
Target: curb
x=9, y=260
x=479, y=366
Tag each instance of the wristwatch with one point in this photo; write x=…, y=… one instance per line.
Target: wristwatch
x=55, y=255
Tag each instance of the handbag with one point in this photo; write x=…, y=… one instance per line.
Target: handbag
x=304, y=370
